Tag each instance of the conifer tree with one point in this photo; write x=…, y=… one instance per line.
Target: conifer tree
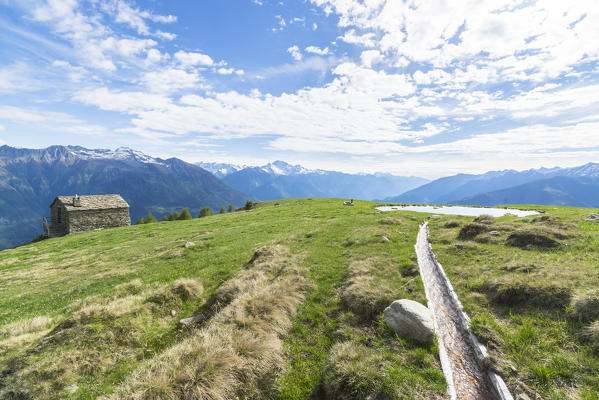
x=140, y=221
x=222, y=210
x=150, y=218
x=185, y=215
x=231, y=207
x=204, y=212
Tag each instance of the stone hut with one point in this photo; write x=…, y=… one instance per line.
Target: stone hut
x=73, y=214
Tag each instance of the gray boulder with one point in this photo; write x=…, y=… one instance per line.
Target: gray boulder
x=412, y=319
x=494, y=233
x=191, y=320
x=189, y=244
x=592, y=217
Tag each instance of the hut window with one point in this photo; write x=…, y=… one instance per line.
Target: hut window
x=59, y=215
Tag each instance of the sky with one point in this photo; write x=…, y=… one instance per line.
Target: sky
x=411, y=87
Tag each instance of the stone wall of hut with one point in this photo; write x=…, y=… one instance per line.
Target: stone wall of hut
x=88, y=220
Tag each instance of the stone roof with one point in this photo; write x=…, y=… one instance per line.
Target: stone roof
x=95, y=202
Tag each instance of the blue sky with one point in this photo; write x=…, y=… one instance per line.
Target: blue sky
x=426, y=88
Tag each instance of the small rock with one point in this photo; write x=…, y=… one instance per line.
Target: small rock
x=385, y=238
x=592, y=217
x=459, y=246
x=191, y=320
x=173, y=313
x=494, y=233
x=436, y=216
x=189, y=244
x=72, y=389
x=522, y=396
x=410, y=318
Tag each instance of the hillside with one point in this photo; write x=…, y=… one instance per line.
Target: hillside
x=279, y=180
x=30, y=179
x=483, y=189
x=289, y=299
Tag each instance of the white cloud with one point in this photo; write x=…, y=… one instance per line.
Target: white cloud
x=295, y=52
x=225, y=71
x=170, y=80
x=317, y=50
x=371, y=57
x=193, y=59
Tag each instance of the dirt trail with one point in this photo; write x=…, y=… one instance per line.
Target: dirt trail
x=462, y=356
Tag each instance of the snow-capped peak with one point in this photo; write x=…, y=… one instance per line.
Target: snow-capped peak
x=121, y=153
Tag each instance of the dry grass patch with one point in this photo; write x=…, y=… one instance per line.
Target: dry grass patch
x=20, y=333
x=187, y=288
x=238, y=353
x=364, y=294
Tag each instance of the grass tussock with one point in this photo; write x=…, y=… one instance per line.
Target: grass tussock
x=471, y=230
x=526, y=294
x=21, y=333
x=238, y=353
x=525, y=239
x=364, y=294
x=585, y=307
x=187, y=288
x=592, y=334
x=454, y=223
x=484, y=219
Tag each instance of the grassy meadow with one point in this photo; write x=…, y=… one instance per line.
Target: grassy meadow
x=289, y=298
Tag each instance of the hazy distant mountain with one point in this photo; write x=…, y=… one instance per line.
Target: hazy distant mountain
x=558, y=191
x=461, y=186
x=219, y=169
x=282, y=180
x=30, y=179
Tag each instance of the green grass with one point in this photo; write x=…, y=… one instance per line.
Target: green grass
x=102, y=330
x=107, y=303
x=521, y=299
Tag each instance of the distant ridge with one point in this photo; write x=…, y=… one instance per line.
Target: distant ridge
x=484, y=189
x=279, y=179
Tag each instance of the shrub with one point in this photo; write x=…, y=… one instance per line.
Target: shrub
x=249, y=205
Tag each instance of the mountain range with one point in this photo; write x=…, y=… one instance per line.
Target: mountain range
x=555, y=186
x=278, y=180
x=30, y=179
